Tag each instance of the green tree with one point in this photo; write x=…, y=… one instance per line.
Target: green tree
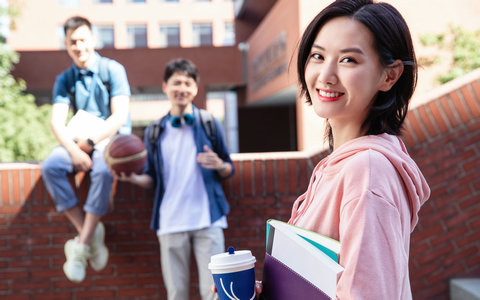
x=25, y=133
x=464, y=46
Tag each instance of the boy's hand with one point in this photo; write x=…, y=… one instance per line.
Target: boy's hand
x=209, y=159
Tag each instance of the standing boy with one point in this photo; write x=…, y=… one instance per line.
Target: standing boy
x=190, y=208
x=97, y=89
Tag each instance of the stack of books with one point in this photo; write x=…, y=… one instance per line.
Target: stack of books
x=299, y=264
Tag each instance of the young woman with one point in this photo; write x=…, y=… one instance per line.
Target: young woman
x=357, y=68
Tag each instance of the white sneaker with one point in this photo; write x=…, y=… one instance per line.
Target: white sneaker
x=77, y=255
x=99, y=252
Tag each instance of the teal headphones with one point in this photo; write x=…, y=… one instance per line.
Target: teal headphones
x=176, y=121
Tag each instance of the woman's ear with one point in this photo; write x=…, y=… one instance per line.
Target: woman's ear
x=393, y=73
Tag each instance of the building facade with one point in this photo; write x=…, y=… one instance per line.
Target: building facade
x=250, y=77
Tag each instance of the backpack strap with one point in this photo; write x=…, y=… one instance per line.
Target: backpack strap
x=208, y=124
x=71, y=89
x=154, y=132
x=103, y=73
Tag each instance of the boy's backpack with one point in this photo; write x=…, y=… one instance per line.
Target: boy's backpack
x=104, y=75
x=208, y=124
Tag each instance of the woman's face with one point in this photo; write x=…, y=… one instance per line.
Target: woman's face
x=343, y=72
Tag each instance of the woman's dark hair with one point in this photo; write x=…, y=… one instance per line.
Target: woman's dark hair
x=392, y=41
x=75, y=22
x=181, y=65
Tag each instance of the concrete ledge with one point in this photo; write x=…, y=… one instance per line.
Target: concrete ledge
x=465, y=289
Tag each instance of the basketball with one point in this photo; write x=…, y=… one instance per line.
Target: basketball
x=126, y=153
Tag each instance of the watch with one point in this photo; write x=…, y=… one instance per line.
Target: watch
x=90, y=142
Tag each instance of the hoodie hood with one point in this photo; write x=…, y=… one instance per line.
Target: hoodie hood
x=395, y=151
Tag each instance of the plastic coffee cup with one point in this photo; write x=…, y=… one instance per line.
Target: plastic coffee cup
x=234, y=274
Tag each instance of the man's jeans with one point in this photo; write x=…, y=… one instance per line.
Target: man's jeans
x=55, y=171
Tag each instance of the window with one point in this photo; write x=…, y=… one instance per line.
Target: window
x=103, y=1
x=136, y=1
x=229, y=38
x=170, y=35
x=105, y=36
x=60, y=34
x=202, y=34
x=136, y=36
x=169, y=0
x=70, y=3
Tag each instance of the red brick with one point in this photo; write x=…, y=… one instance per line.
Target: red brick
x=470, y=239
x=63, y=283
x=473, y=263
x=435, y=254
x=13, y=274
x=29, y=241
x=247, y=178
x=460, y=107
x=259, y=177
x=52, y=295
x=30, y=285
x=16, y=187
x=270, y=176
x=460, y=256
x=409, y=137
x=29, y=262
x=423, y=271
x=5, y=190
x=237, y=179
x=437, y=114
x=95, y=294
x=472, y=104
x=27, y=184
x=416, y=126
x=422, y=235
x=425, y=116
x=137, y=292
x=281, y=176
x=462, y=218
x=446, y=273
x=292, y=175
x=448, y=236
x=19, y=296
x=449, y=112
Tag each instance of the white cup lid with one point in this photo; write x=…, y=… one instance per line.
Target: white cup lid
x=231, y=259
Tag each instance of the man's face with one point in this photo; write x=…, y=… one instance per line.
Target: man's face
x=180, y=89
x=80, y=45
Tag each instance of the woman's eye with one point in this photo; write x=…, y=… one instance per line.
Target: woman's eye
x=348, y=60
x=316, y=56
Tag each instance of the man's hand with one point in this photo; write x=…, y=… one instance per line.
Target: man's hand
x=84, y=145
x=81, y=160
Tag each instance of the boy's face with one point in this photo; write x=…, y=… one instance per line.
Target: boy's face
x=80, y=45
x=180, y=89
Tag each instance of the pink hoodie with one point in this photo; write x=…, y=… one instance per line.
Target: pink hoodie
x=367, y=195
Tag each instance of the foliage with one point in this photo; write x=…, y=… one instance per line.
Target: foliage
x=464, y=46
x=25, y=134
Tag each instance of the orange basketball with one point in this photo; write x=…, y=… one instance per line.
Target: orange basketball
x=126, y=153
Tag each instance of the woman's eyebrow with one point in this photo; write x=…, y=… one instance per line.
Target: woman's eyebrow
x=346, y=50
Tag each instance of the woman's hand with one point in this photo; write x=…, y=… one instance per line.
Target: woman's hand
x=258, y=288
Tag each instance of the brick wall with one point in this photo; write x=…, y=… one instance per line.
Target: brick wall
x=442, y=134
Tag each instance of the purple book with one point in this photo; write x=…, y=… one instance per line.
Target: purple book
x=282, y=283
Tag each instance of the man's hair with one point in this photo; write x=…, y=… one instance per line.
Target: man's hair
x=75, y=22
x=181, y=65
x=392, y=41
